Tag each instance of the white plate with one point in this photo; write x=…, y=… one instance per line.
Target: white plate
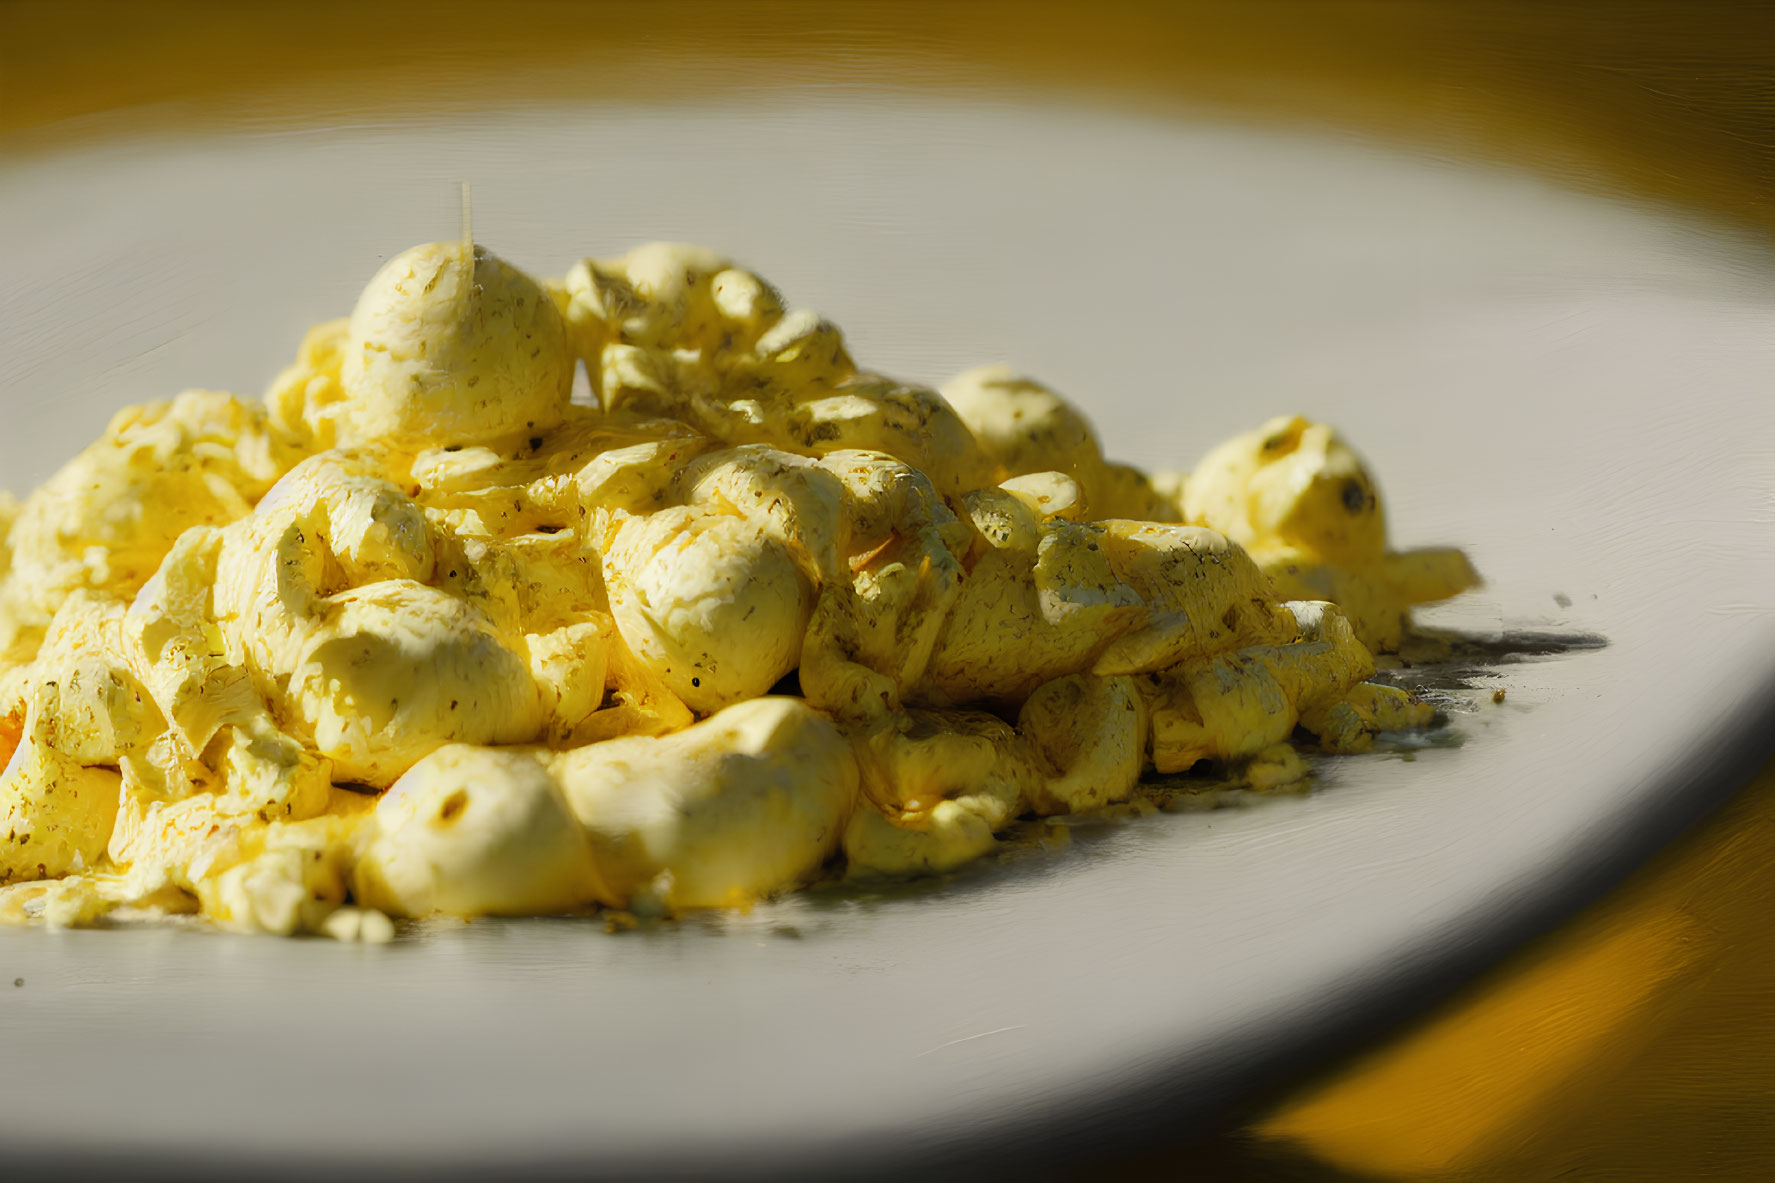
x=1578, y=391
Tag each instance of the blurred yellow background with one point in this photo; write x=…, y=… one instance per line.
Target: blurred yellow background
x=1637, y=1041
x=1669, y=100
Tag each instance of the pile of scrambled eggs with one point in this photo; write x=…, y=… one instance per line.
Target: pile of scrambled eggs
x=419, y=633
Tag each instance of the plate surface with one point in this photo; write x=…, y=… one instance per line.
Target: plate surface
x=1577, y=391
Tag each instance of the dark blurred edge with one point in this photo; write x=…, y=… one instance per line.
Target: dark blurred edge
x=1227, y=1161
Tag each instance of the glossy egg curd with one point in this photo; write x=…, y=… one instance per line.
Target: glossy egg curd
x=418, y=633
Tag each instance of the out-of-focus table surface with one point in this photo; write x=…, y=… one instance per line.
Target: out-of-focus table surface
x=1635, y=1041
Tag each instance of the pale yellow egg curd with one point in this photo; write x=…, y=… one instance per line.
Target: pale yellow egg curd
x=418, y=633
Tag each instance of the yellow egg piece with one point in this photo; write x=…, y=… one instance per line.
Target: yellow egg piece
x=417, y=634
x=448, y=345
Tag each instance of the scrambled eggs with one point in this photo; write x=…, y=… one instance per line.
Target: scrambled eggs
x=418, y=633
